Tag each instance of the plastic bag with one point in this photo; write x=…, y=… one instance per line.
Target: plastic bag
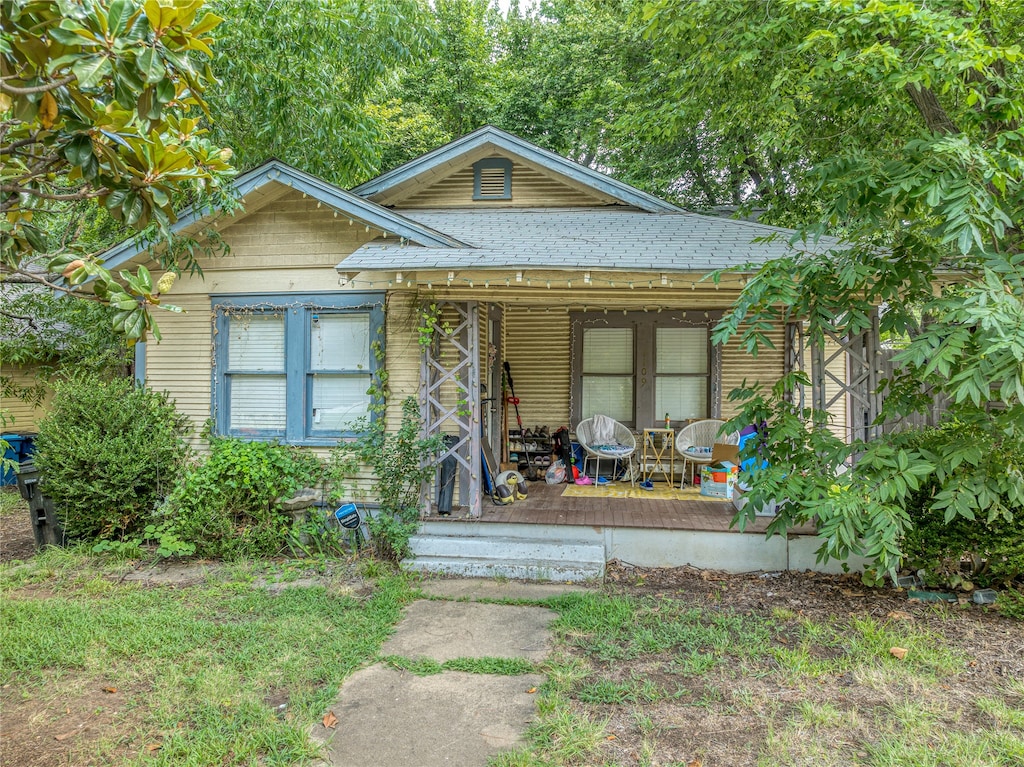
x=555, y=474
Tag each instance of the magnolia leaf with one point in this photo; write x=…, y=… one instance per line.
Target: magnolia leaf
x=47, y=110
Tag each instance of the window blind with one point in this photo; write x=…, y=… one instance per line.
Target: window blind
x=256, y=343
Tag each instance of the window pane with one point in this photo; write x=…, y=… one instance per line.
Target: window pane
x=608, y=350
x=681, y=397
x=682, y=350
x=608, y=395
x=256, y=342
x=340, y=342
x=338, y=401
x=257, y=402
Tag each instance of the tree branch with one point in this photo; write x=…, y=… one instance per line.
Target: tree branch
x=14, y=90
x=42, y=280
x=82, y=194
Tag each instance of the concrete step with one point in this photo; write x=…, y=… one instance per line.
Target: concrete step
x=510, y=557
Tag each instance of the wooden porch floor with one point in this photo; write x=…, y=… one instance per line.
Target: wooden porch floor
x=547, y=506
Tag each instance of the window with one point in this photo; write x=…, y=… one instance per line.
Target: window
x=296, y=368
x=639, y=367
x=492, y=179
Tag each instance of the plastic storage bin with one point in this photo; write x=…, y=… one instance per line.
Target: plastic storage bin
x=12, y=453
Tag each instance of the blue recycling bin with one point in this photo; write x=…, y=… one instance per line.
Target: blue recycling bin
x=12, y=453
x=28, y=447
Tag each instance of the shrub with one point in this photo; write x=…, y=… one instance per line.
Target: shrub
x=400, y=461
x=226, y=504
x=988, y=551
x=108, y=451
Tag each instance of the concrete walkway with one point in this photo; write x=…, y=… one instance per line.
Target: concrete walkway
x=392, y=718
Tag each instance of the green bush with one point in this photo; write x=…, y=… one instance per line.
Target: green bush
x=987, y=551
x=108, y=452
x=226, y=503
x=401, y=461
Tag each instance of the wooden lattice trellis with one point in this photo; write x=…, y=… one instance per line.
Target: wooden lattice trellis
x=854, y=382
x=859, y=388
x=450, y=393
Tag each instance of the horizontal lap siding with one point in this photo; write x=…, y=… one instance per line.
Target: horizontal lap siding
x=740, y=368
x=180, y=364
x=292, y=246
x=838, y=418
x=537, y=350
x=530, y=188
x=21, y=416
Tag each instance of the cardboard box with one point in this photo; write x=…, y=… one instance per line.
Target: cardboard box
x=721, y=452
x=719, y=479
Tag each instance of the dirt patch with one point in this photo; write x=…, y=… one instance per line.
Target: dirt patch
x=16, y=539
x=69, y=720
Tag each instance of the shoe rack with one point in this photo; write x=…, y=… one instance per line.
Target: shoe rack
x=535, y=442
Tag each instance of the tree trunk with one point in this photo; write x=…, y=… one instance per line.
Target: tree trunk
x=935, y=117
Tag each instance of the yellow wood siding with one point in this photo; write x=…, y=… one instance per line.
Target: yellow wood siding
x=21, y=416
x=838, y=423
x=530, y=189
x=537, y=350
x=738, y=366
x=289, y=246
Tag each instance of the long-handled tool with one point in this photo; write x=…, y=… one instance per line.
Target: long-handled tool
x=531, y=471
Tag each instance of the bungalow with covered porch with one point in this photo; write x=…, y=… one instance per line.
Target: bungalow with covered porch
x=592, y=292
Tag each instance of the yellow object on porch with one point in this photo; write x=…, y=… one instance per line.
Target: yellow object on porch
x=661, y=492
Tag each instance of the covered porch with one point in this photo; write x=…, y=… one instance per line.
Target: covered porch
x=556, y=505
x=552, y=535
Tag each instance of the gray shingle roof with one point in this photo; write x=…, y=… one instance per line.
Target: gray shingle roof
x=582, y=238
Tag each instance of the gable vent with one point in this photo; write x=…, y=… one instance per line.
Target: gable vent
x=492, y=179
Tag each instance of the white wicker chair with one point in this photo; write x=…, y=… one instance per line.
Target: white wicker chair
x=623, y=449
x=694, y=444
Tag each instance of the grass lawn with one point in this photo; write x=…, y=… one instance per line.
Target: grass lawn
x=105, y=664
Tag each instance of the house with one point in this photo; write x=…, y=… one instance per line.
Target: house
x=592, y=291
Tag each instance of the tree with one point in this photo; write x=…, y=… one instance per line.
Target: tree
x=100, y=102
x=897, y=126
x=298, y=80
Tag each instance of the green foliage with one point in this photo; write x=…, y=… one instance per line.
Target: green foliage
x=963, y=528
x=46, y=334
x=400, y=462
x=1011, y=603
x=108, y=452
x=920, y=172
x=99, y=103
x=163, y=537
x=297, y=80
x=227, y=504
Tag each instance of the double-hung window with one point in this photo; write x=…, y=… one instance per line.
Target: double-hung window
x=298, y=368
x=638, y=367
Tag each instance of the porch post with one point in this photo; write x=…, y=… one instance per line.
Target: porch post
x=794, y=361
x=861, y=357
x=450, y=388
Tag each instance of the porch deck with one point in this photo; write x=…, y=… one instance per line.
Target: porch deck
x=546, y=505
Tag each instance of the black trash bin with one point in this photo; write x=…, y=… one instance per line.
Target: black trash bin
x=446, y=482
x=46, y=525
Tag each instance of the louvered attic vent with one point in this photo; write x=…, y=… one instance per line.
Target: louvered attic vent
x=492, y=179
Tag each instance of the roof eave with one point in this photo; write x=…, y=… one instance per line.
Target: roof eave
x=275, y=171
